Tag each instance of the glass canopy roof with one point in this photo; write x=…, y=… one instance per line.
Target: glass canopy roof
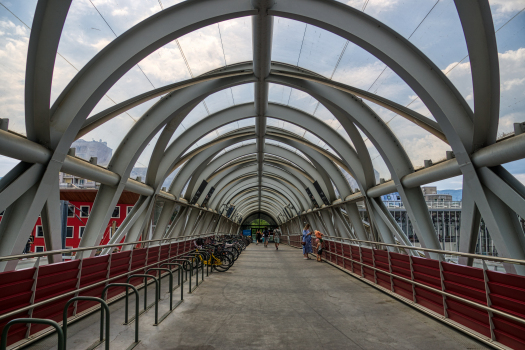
x=432, y=26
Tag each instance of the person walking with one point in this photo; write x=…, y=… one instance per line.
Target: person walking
x=258, y=237
x=266, y=235
x=307, y=241
x=277, y=238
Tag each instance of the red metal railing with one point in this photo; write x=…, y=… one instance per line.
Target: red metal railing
x=42, y=292
x=487, y=304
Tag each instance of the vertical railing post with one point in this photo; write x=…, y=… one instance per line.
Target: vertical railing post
x=412, y=279
x=390, y=270
x=442, y=278
x=361, y=260
x=109, y=267
x=374, y=264
x=343, y=254
x=489, y=302
x=33, y=295
x=351, y=259
x=77, y=287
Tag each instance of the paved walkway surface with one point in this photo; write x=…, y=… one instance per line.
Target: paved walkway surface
x=276, y=300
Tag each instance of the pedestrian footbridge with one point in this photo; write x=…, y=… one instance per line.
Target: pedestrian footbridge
x=215, y=118
x=359, y=297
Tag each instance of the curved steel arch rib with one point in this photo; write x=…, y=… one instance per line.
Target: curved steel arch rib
x=293, y=195
x=170, y=110
x=486, y=190
x=285, y=113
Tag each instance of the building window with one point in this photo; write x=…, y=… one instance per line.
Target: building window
x=81, y=231
x=39, y=249
x=130, y=208
x=84, y=211
x=70, y=211
x=69, y=232
x=116, y=212
x=39, y=231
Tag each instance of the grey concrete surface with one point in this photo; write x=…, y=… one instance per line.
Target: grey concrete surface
x=276, y=300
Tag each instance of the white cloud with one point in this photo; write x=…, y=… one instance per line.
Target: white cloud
x=512, y=86
x=13, y=53
x=374, y=6
x=507, y=5
x=361, y=76
x=123, y=11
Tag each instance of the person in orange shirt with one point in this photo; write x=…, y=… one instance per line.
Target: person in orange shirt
x=319, y=236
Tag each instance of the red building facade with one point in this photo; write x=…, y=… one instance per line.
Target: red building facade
x=80, y=203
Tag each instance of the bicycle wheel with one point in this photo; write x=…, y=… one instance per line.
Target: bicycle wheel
x=230, y=256
x=224, y=264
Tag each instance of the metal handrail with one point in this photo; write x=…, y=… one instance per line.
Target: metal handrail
x=446, y=252
x=59, y=251
x=58, y=297
x=435, y=290
x=424, y=286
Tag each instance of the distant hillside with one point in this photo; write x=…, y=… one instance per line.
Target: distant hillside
x=457, y=195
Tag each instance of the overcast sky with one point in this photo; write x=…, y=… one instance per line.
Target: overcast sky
x=433, y=26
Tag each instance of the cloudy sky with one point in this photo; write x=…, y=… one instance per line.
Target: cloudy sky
x=433, y=26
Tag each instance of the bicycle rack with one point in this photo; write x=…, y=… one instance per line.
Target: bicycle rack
x=191, y=256
x=156, y=303
x=127, y=285
x=170, y=290
x=191, y=271
x=194, y=256
x=180, y=281
x=60, y=333
x=182, y=266
x=103, y=306
x=203, y=258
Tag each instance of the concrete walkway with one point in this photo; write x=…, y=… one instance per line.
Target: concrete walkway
x=276, y=300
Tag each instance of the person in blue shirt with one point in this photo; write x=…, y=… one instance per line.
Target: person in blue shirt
x=307, y=241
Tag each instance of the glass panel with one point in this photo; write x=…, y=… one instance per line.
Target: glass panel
x=380, y=168
x=320, y=50
x=180, y=129
x=203, y=49
x=13, y=53
x=279, y=94
x=509, y=22
x=165, y=66
x=418, y=143
x=236, y=37
x=197, y=114
x=246, y=122
x=293, y=128
x=360, y=69
x=287, y=39
x=219, y=101
x=108, y=135
x=302, y=101
x=242, y=93
x=349, y=178
x=141, y=165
